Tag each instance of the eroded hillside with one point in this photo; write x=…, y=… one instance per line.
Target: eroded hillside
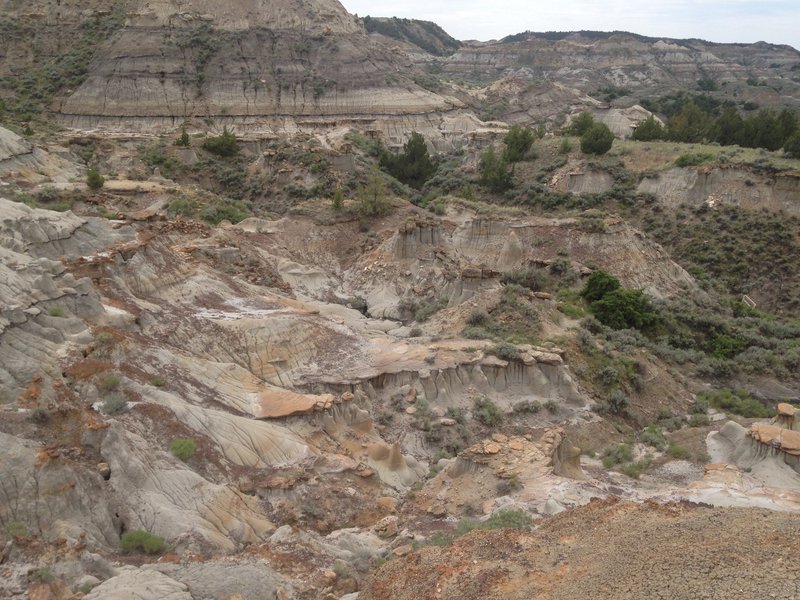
x=259, y=341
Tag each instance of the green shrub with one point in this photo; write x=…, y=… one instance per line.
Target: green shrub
x=225, y=144
x=104, y=337
x=526, y=407
x=738, y=402
x=678, y=452
x=181, y=206
x=625, y=309
x=598, y=139
x=476, y=333
x=40, y=575
x=142, y=541
x=109, y=382
x=485, y=411
x=183, y=448
x=617, y=402
x=531, y=278
x=115, y=404
x=17, y=529
x=691, y=159
x=505, y=351
x=224, y=210
x=94, y=180
x=551, y=406
x=477, y=317
x=699, y=420
x=617, y=454
x=565, y=147
x=653, y=436
x=427, y=309
x=55, y=311
x=634, y=469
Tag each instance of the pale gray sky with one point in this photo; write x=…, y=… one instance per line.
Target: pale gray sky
x=774, y=21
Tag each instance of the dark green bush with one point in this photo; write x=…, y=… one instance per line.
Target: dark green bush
x=413, y=166
x=598, y=284
x=598, y=139
x=625, y=309
x=225, y=145
x=649, y=129
x=94, y=180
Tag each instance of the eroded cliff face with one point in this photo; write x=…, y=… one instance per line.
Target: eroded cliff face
x=620, y=59
x=247, y=61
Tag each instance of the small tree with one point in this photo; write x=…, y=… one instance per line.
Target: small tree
x=581, y=124
x=373, y=197
x=183, y=140
x=597, y=139
x=495, y=172
x=518, y=141
x=792, y=146
x=94, y=180
x=649, y=129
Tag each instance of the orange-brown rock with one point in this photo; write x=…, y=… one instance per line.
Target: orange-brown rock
x=783, y=439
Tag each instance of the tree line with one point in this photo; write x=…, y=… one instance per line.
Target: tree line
x=706, y=122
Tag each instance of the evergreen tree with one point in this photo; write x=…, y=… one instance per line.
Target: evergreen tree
x=649, y=129
x=495, y=172
x=373, y=196
x=413, y=166
x=598, y=139
x=729, y=127
x=183, y=140
x=691, y=125
x=518, y=141
x=580, y=124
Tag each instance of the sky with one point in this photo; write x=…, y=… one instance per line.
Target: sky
x=774, y=21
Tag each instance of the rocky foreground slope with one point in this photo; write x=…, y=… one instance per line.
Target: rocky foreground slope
x=610, y=550
x=318, y=429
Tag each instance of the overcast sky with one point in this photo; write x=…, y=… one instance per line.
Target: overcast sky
x=774, y=21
